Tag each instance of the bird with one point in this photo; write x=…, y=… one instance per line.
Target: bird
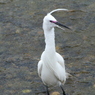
x=51, y=66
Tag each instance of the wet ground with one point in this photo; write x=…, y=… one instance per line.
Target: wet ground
x=22, y=42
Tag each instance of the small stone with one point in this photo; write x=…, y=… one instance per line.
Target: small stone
x=17, y=31
x=26, y=91
x=55, y=93
x=94, y=85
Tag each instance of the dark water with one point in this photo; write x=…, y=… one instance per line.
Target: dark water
x=22, y=42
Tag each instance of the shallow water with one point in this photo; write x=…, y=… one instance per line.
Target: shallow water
x=22, y=42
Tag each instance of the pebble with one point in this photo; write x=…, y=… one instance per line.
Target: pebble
x=55, y=93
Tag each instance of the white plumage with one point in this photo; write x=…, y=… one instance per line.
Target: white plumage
x=51, y=67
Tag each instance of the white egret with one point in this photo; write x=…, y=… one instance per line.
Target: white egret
x=51, y=67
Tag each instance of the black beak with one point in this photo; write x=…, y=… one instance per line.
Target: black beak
x=59, y=24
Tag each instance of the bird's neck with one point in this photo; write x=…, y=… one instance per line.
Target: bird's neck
x=50, y=40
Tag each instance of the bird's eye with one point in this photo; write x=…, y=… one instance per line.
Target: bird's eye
x=53, y=21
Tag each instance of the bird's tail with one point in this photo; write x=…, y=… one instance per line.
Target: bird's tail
x=68, y=75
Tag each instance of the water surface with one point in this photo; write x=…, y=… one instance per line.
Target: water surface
x=22, y=42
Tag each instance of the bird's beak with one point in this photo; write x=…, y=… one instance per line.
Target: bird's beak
x=61, y=25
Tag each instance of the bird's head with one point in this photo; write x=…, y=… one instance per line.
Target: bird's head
x=50, y=22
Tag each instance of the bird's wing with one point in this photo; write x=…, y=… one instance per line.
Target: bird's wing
x=60, y=60
x=40, y=64
x=62, y=63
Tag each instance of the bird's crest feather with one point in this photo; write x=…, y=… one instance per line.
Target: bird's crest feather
x=58, y=10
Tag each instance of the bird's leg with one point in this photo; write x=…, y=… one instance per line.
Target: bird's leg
x=47, y=90
x=63, y=90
